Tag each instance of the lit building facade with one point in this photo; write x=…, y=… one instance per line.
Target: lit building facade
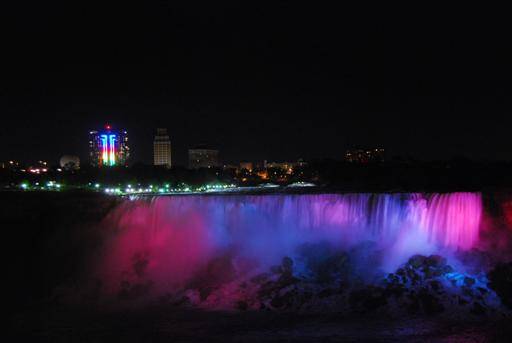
x=108, y=147
x=288, y=167
x=162, y=149
x=247, y=166
x=203, y=157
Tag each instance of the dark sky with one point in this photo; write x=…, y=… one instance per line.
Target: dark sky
x=258, y=81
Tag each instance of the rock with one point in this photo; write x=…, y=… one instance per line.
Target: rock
x=276, y=270
x=436, y=286
x=287, y=265
x=261, y=278
x=205, y=292
x=482, y=290
x=467, y=291
x=285, y=299
x=286, y=280
x=393, y=279
x=267, y=289
x=446, y=269
x=417, y=261
x=325, y=263
x=469, y=281
x=436, y=261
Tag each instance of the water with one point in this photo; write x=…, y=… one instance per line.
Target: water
x=154, y=254
x=168, y=240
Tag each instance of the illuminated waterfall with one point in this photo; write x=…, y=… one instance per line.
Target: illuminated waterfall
x=177, y=235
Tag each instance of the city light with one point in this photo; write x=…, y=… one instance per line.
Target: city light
x=129, y=189
x=108, y=147
x=112, y=149
x=302, y=184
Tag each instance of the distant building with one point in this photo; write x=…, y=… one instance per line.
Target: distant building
x=203, y=157
x=69, y=162
x=10, y=165
x=108, y=147
x=365, y=155
x=231, y=168
x=247, y=166
x=162, y=149
x=287, y=167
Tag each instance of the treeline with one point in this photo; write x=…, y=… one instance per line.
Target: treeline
x=455, y=175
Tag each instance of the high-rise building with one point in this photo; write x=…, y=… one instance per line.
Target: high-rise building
x=162, y=148
x=108, y=147
x=203, y=157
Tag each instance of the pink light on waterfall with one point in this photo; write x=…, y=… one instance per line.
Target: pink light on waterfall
x=154, y=241
x=450, y=220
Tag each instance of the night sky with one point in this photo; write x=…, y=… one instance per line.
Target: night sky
x=257, y=81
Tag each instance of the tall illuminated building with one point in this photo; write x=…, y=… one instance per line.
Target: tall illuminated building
x=162, y=148
x=108, y=147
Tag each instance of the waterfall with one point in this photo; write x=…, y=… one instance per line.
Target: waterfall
x=171, y=237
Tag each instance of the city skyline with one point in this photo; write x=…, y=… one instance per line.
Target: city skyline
x=145, y=151
x=311, y=86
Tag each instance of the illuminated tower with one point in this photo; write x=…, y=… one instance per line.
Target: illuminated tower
x=162, y=149
x=108, y=148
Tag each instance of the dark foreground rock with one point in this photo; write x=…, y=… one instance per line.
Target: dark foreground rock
x=317, y=283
